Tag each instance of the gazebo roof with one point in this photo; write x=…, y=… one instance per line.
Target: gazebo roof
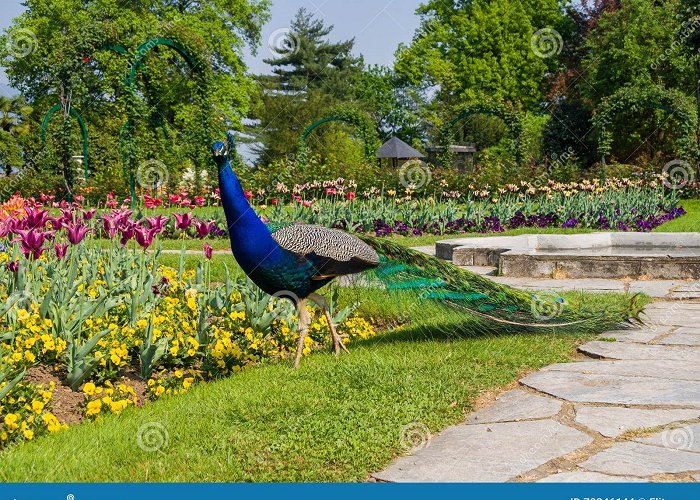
x=396, y=148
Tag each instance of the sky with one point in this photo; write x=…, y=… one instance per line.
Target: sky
x=378, y=27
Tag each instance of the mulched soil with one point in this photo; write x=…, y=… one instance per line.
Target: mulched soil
x=66, y=404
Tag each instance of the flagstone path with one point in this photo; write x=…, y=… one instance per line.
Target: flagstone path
x=627, y=411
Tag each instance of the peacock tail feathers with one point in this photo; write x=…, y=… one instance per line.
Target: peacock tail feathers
x=490, y=306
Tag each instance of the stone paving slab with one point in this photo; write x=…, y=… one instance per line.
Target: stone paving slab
x=615, y=389
x=653, y=288
x=516, y=405
x=636, y=459
x=637, y=335
x=681, y=339
x=673, y=370
x=589, y=477
x=486, y=452
x=625, y=350
x=613, y=421
x=685, y=438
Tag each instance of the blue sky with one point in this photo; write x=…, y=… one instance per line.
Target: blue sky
x=378, y=26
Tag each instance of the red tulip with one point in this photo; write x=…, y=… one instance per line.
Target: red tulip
x=274, y=201
x=350, y=195
x=248, y=195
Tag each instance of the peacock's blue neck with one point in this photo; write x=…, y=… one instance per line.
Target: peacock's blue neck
x=251, y=241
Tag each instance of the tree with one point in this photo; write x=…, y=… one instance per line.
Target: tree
x=484, y=48
x=395, y=105
x=311, y=76
x=14, y=126
x=64, y=51
x=639, y=46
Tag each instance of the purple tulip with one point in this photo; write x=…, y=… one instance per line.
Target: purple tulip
x=12, y=266
x=208, y=250
x=35, y=218
x=157, y=223
x=32, y=241
x=127, y=229
x=183, y=221
x=61, y=249
x=203, y=228
x=88, y=214
x=76, y=232
x=144, y=236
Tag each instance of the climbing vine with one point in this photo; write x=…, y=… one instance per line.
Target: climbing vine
x=633, y=99
x=364, y=127
x=510, y=118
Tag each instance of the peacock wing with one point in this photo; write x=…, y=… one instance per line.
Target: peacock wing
x=333, y=252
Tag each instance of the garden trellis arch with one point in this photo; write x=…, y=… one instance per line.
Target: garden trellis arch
x=510, y=118
x=81, y=122
x=359, y=121
x=83, y=132
x=674, y=103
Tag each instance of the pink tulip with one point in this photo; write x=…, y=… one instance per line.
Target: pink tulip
x=199, y=201
x=208, y=250
x=144, y=236
x=35, y=218
x=157, y=223
x=76, y=232
x=61, y=249
x=88, y=214
x=203, y=228
x=32, y=241
x=183, y=221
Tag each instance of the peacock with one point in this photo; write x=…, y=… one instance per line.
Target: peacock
x=293, y=261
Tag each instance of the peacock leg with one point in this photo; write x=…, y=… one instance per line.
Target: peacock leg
x=304, y=322
x=337, y=339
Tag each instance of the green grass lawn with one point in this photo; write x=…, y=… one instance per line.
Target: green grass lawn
x=690, y=222
x=335, y=419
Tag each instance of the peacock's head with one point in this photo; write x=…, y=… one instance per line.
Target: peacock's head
x=222, y=150
x=220, y=153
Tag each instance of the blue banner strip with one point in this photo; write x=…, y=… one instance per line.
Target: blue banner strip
x=366, y=491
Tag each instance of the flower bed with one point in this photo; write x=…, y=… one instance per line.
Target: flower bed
x=88, y=331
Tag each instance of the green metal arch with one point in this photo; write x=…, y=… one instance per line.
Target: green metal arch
x=149, y=45
x=367, y=147
x=506, y=117
x=83, y=131
x=130, y=82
